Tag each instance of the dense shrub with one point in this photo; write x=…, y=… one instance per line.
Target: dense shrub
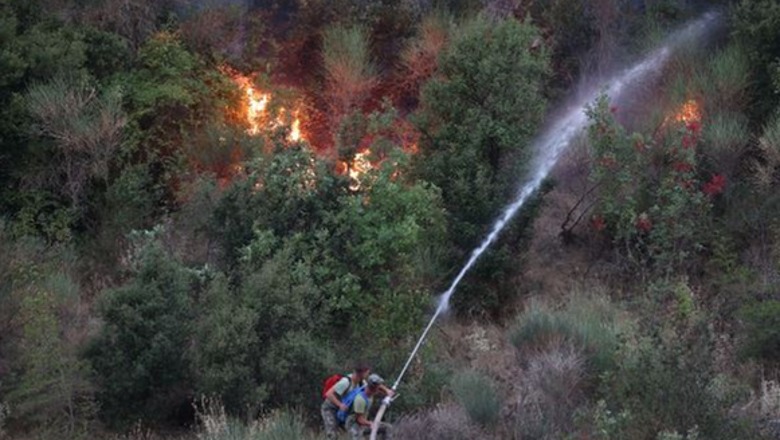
x=591, y=324
x=477, y=394
x=755, y=26
x=444, y=422
x=668, y=382
x=652, y=200
x=140, y=355
x=762, y=330
x=53, y=391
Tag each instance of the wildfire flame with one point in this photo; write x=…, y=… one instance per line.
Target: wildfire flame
x=356, y=168
x=259, y=111
x=255, y=109
x=257, y=103
x=360, y=165
x=295, y=130
x=689, y=112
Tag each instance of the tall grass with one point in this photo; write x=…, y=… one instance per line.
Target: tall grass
x=477, y=394
x=216, y=424
x=420, y=58
x=726, y=135
x=729, y=72
x=769, y=144
x=588, y=323
x=550, y=392
x=349, y=71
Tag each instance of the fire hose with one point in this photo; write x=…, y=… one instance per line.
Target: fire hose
x=388, y=400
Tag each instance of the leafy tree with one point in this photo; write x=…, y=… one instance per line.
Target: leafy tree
x=139, y=357
x=223, y=352
x=381, y=236
x=286, y=192
x=169, y=92
x=52, y=391
x=34, y=49
x=256, y=343
x=480, y=114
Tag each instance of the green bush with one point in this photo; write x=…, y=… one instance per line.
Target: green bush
x=477, y=394
x=651, y=202
x=140, y=354
x=589, y=323
x=762, y=330
x=755, y=27
x=223, y=350
x=668, y=382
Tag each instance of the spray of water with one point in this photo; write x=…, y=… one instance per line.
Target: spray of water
x=558, y=136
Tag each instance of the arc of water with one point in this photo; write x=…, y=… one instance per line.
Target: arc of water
x=553, y=143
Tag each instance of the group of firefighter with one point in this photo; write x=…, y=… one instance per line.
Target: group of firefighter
x=347, y=401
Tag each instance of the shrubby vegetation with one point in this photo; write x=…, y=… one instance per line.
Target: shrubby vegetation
x=170, y=263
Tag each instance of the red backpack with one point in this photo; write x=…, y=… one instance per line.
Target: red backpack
x=330, y=382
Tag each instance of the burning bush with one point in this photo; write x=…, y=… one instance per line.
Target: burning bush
x=650, y=199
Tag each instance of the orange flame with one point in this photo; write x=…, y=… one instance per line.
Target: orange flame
x=356, y=168
x=295, y=130
x=689, y=112
x=256, y=105
x=256, y=112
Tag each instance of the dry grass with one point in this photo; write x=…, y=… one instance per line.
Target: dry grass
x=550, y=392
x=420, y=59
x=769, y=145
x=447, y=422
x=216, y=424
x=590, y=323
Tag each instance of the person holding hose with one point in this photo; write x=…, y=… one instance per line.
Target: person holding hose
x=357, y=423
x=337, y=390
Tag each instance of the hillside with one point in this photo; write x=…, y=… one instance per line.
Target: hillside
x=207, y=208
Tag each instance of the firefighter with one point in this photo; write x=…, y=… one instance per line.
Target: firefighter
x=357, y=422
x=332, y=403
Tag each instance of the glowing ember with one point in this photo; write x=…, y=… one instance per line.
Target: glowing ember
x=689, y=112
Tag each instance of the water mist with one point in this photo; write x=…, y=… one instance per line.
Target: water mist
x=559, y=134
